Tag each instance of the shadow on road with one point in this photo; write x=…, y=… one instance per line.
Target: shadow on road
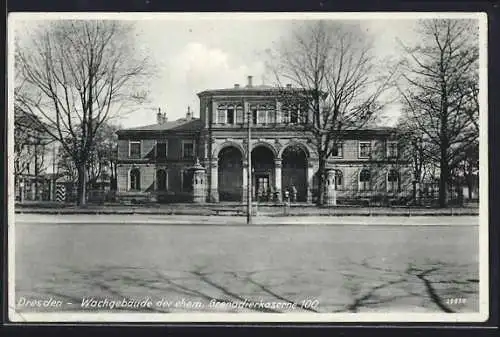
x=431, y=286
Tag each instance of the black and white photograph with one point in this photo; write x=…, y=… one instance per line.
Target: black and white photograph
x=247, y=167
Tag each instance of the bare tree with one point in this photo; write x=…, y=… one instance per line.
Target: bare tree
x=77, y=74
x=102, y=159
x=338, y=85
x=440, y=91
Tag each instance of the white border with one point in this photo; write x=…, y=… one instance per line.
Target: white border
x=483, y=313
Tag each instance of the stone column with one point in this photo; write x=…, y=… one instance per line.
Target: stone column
x=278, y=112
x=277, y=177
x=309, y=177
x=205, y=147
x=330, y=192
x=21, y=184
x=33, y=191
x=214, y=117
x=214, y=182
x=417, y=192
x=244, y=185
x=207, y=114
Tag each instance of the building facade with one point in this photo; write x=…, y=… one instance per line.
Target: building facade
x=31, y=158
x=156, y=162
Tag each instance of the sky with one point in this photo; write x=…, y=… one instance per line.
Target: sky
x=196, y=52
x=192, y=56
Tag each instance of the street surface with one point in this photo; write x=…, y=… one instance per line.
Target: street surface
x=351, y=264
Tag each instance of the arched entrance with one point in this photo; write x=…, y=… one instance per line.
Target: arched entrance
x=263, y=174
x=294, y=172
x=230, y=174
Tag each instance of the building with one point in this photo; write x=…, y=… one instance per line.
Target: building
x=30, y=158
x=155, y=162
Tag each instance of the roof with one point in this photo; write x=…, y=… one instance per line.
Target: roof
x=181, y=124
x=246, y=89
x=28, y=120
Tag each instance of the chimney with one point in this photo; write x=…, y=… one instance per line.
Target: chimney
x=289, y=86
x=188, y=114
x=249, y=85
x=159, y=117
x=236, y=86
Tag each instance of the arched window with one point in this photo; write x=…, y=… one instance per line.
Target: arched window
x=364, y=180
x=161, y=180
x=339, y=180
x=393, y=181
x=239, y=114
x=221, y=114
x=135, y=179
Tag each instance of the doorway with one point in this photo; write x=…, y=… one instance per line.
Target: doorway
x=262, y=187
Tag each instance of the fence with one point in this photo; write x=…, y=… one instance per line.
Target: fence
x=408, y=196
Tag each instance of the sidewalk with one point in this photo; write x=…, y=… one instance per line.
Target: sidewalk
x=239, y=210
x=122, y=219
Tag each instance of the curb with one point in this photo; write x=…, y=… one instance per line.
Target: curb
x=233, y=214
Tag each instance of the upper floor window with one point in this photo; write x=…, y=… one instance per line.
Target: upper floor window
x=337, y=150
x=230, y=117
x=392, y=149
x=239, y=114
x=134, y=149
x=263, y=114
x=365, y=149
x=254, y=116
x=293, y=115
x=230, y=114
x=221, y=116
x=162, y=149
x=187, y=149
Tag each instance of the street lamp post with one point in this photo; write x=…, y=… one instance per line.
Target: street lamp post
x=249, y=170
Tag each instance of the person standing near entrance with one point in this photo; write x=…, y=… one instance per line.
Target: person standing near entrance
x=293, y=191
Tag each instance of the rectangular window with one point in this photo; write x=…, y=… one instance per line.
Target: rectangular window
x=221, y=116
x=254, y=117
x=365, y=149
x=286, y=116
x=262, y=118
x=161, y=150
x=239, y=116
x=392, y=149
x=187, y=149
x=271, y=116
x=230, y=116
x=294, y=117
x=337, y=150
x=134, y=149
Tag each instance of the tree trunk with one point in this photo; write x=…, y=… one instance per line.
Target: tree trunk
x=321, y=181
x=37, y=173
x=469, y=186
x=82, y=186
x=443, y=183
x=444, y=174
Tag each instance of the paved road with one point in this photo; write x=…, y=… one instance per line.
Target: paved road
x=185, y=268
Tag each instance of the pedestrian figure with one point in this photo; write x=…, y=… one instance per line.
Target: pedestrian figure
x=270, y=193
x=294, y=193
